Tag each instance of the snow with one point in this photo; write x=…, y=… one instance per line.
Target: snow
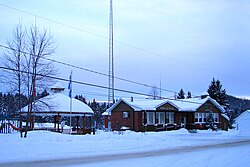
x=216, y=157
x=191, y=104
x=58, y=85
x=45, y=145
x=243, y=122
x=58, y=102
x=106, y=113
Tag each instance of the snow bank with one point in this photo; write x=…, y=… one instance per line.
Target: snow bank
x=49, y=145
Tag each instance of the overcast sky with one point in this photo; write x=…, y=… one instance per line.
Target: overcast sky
x=180, y=43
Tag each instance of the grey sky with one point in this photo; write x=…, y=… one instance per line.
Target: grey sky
x=182, y=43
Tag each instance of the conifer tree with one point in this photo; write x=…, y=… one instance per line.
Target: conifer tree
x=189, y=95
x=216, y=92
x=210, y=121
x=181, y=94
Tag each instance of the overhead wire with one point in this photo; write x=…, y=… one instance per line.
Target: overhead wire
x=123, y=43
x=99, y=86
x=92, y=71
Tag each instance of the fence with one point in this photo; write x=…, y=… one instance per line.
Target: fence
x=5, y=126
x=6, y=123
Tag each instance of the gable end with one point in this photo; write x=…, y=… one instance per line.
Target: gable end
x=167, y=107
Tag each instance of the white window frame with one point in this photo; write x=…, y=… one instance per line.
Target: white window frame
x=160, y=116
x=201, y=116
x=170, y=116
x=148, y=118
x=205, y=115
x=216, y=117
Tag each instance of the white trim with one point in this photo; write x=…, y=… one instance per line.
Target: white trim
x=159, y=118
x=148, y=118
x=170, y=117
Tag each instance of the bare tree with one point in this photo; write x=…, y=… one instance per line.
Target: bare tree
x=14, y=61
x=31, y=63
x=155, y=92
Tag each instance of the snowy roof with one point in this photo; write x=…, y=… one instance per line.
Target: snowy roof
x=57, y=85
x=106, y=113
x=204, y=93
x=59, y=102
x=244, y=115
x=226, y=117
x=191, y=104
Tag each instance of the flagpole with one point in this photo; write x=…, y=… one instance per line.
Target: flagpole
x=70, y=95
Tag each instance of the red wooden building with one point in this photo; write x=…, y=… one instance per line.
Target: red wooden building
x=154, y=115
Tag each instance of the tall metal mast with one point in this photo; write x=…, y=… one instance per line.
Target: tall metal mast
x=111, y=58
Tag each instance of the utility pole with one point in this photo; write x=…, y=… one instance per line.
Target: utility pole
x=111, y=64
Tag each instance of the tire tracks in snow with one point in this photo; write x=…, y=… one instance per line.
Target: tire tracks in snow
x=81, y=160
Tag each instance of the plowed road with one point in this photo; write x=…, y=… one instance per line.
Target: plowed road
x=121, y=156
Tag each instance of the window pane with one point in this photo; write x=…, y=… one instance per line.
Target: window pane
x=216, y=117
x=162, y=116
x=200, y=117
x=204, y=117
x=171, y=117
x=196, y=117
x=150, y=118
x=157, y=117
x=167, y=117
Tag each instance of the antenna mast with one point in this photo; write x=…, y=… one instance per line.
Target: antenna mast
x=111, y=58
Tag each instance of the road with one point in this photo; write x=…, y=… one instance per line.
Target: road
x=75, y=161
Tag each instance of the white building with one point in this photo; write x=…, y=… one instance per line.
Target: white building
x=243, y=122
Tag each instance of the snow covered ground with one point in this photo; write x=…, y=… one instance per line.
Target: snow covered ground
x=171, y=148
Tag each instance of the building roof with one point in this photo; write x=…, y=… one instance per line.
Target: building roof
x=60, y=103
x=244, y=115
x=190, y=105
x=57, y=85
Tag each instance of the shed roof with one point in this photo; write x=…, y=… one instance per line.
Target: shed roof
x=60, y=103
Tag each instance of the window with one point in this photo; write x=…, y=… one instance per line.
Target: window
x=216, y=117
x=160, y=118
x=169, y=117
x=125, y=114
x=150, y=118
x=205, y=115
x=196, y=117
x=202, y=117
